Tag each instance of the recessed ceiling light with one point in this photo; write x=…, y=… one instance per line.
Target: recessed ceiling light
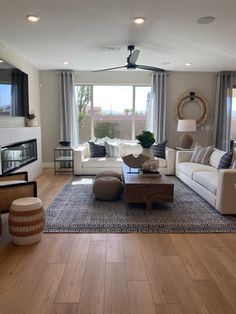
x=33, y=18
x=65, y=62
x=206, y=20
x=139, y=20
x=188, y=64
x=1, y=61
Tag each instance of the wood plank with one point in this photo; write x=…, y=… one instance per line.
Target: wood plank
x=99, y=237
x=92, y=294
x=214, y=299
x=227, y=258
x=159, y=279
x=27, y=279
x=72, y=280
x=165, y=245
x=116, y=289
x=191, y=260
x=115, y=250
x=185, y=290
x=169, y=309
x=140, y=298
x=61, y=251
x=219, y=273
x=63, y=308
x=44, y=293
x=134, y=262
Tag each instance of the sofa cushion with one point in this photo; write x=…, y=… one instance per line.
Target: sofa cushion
x=225, y=161
x=188, y=168
x=129, y=148
x=97, y=150
x=159, y=149
x=215, y=157
x=201, y=155
x=112, y=149
x=102, y=162
x=207, y=179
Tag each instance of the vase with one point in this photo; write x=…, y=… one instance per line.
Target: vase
x=31, y=122
x=148, y=152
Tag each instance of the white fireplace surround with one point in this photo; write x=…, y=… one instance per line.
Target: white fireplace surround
x=13, y=135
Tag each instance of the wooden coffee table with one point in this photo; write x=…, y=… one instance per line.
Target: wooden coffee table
x=146, y=189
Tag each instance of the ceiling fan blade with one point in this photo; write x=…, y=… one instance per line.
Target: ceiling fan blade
x=149, y=68
x=134, y=56
x=108, y=69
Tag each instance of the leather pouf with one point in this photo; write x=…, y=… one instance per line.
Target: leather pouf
x=108, y=174
x=107, y=188
x=26, y=220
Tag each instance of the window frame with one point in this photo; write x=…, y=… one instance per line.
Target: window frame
x=133, y=86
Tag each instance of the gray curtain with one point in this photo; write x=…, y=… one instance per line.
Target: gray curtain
x=223, y=108
x=157, y=107
x=68, y=112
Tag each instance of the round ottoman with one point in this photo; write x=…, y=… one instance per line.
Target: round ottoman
x=26, y=220
x=108, y=174
x=107, y=188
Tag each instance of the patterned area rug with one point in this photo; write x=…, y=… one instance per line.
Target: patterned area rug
x=76, y=210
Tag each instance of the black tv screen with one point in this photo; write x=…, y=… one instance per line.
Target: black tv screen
x=14, y=95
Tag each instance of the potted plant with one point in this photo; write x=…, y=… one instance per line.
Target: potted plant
x=146, y=139
x=31, y=120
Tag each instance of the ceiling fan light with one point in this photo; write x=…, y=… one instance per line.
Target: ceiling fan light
x=206, y=20
x=139, y=20
x=188, y=64
x=33, y=18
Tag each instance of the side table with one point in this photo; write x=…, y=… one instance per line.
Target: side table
x=63, y=159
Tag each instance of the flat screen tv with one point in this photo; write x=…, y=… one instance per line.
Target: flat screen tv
x=14, y=95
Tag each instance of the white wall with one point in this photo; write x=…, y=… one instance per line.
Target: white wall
x=34, y=94
x=177, y=83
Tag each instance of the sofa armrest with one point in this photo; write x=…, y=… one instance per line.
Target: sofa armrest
x=170, y=159
x=226, y=191
x=79, y=156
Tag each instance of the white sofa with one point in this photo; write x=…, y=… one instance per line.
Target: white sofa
x=85, y=165
x=217, y=187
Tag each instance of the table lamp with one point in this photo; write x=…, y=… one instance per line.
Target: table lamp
x=186, y=125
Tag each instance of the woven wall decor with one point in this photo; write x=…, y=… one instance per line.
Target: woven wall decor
x=192, y=98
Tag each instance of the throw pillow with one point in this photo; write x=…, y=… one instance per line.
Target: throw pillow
x=97, y=150
x=159, y=150
x=201, y=155
x=225, y=161
x=112, y=149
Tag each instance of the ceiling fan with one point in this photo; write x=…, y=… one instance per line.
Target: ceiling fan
x=131, y=59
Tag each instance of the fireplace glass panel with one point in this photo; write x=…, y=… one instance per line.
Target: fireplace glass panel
x=18, y=155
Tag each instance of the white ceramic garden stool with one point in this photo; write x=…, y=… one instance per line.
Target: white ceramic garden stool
x=26, y=220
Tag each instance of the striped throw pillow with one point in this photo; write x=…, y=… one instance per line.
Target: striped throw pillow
x=97, y=150
x=112, y=149
x=201, y=155
x=159, y=150
x=225, y=161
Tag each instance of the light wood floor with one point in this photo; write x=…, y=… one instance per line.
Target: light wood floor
x=118, y=273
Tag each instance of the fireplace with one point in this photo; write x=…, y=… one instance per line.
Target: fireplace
x=18, y=155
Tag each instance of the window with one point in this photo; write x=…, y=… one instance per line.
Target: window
x=5, y=98
x=233, y=116
x=113, y=111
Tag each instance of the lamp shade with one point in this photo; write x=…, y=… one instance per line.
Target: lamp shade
x=186, y=125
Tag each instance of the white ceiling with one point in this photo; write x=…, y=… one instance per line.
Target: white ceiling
x=77, y=31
